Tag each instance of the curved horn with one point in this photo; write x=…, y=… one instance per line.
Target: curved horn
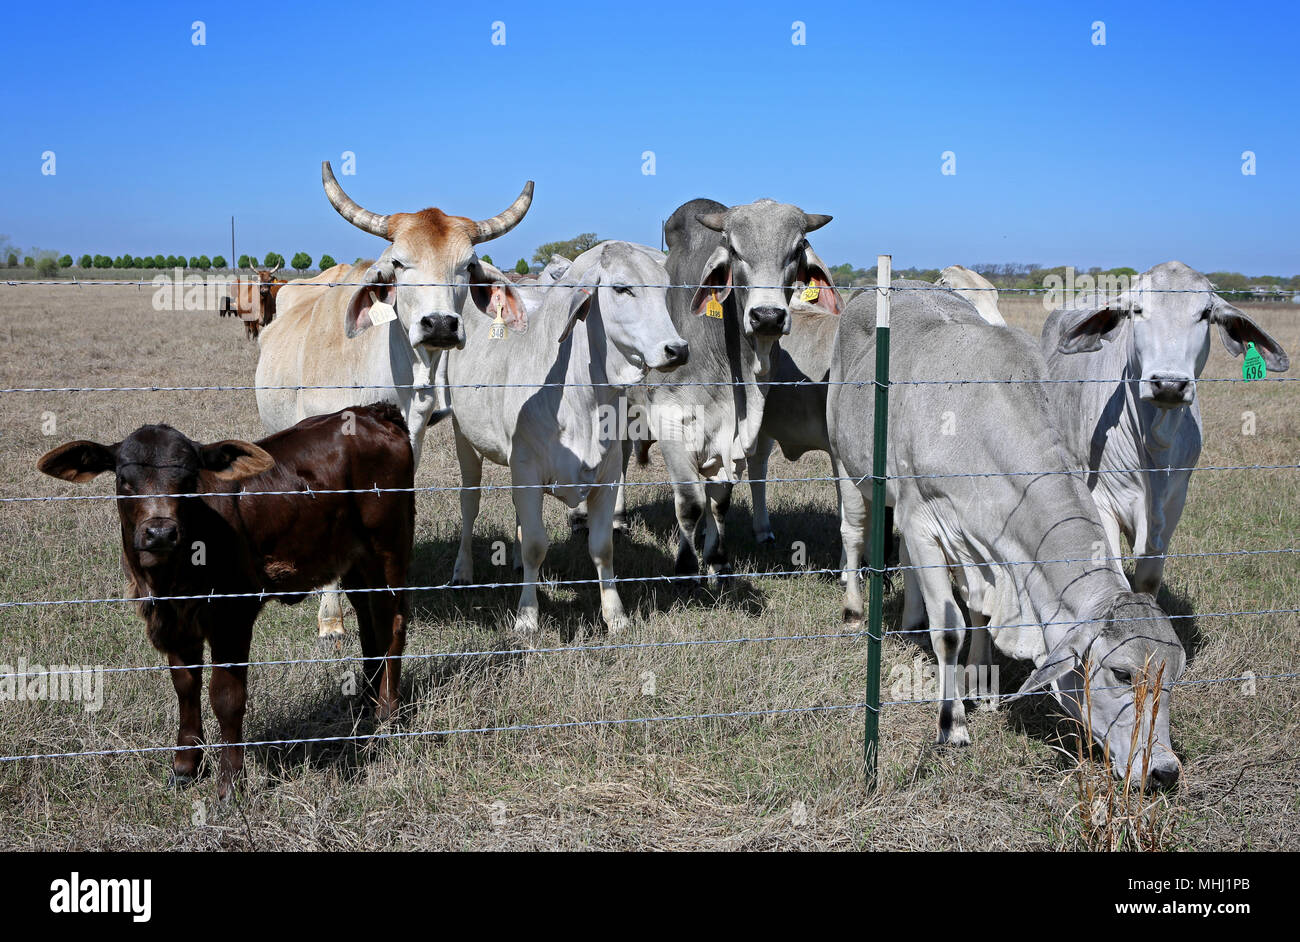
x=714, y=221
x=349, y=208
x=814, y=221
x=278, y=266
x=504, y=221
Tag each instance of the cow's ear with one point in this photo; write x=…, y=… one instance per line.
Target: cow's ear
x=1083, y=330
x=715, y=280
x=493, y=294
x=78, y=461
x=378, y=286
x=1055, y=664
x=814, y=273
x=579, y=305
x=1236, y=330
x=234, y=460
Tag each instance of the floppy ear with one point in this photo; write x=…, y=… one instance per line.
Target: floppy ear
x=1059, y=661
x=233, y=460
x=78, y=461
x=813, y=273
x=579, y=305
x=715, y=279
x=1236, y=330
x=363, y=298
x=1083, y=330
x=499, y=294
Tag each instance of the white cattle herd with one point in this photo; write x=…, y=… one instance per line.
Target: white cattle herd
x=688, y=347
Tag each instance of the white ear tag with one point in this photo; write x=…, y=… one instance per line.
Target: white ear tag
x=498, y=329
x=380, y=311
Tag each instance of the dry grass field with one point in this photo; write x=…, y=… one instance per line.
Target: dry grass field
x=760, y=782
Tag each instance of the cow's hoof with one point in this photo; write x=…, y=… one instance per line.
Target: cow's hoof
x=620, y=521
x=616, y=625
x=852, y=617
x=329, y=627
x=527, y=623
x=181, y=780
x=958, y=737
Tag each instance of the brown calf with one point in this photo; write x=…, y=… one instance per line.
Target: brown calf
x=253, y=301
x=202, y=544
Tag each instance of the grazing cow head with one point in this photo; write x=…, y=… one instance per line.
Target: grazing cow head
x=1130, y=642
x=764, y=253
x=427, y=269
x=1170, y=308
x=631, y=295
x=152, y=462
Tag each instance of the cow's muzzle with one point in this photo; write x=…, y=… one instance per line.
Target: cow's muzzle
x=157, y=535
x=441, y=331
x=1168, y=390
x=769, y=321
x=674, y=355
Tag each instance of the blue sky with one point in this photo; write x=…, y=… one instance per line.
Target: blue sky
x=1066, y=152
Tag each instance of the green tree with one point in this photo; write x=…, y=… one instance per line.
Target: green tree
x=272, y=259
x=204, y=263
x=301, y=261
x=218, y=261
x=569, y=248
x=47, y=266
x=85, y=261
x=327, y=261
x=521, y=266
x=243, y=261
x=65, y=261
x=13, y=260
x=488, y=259
x=194, y=261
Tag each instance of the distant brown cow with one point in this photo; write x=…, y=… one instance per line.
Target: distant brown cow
x=204, y=544
x=253, y=301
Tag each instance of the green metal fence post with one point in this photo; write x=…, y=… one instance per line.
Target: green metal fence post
x=875, y=627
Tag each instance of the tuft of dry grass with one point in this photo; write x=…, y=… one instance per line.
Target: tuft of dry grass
x=681, y=784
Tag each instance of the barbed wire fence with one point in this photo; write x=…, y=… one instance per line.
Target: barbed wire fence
x=873, y=631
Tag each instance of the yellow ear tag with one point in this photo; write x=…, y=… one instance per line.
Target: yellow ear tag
x=498, y=329
x=811, y=293
x=380, y=311
x=713, y=308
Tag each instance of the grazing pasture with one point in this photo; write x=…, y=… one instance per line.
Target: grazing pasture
x=767, y=781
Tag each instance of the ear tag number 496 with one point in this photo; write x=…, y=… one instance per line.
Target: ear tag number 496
x=1253, y=366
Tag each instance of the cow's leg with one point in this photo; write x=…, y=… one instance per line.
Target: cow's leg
x=620, y=502
x=688, y=502
x=600, y=542
x=228, y=693
x=383, y=634
x=913, y=617
x=471, y=476
x=189, y=697
x=853, y=525
x=1149, y=572
x=715, y=531
x=329, y=619
x=533, y=543
x=947, y=631
x=758, y=490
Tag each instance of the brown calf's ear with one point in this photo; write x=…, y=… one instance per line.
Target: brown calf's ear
x=78, y=461
x=234, y=460
x=715, y=281
x=814, y=273
x=1082, y=331
x=1236, y=330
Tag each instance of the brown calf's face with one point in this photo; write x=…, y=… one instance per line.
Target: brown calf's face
x=152, y=465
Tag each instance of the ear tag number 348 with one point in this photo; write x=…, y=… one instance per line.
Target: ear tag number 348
x=498, y=329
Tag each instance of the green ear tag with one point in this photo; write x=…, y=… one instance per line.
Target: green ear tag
x=1252, y=367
